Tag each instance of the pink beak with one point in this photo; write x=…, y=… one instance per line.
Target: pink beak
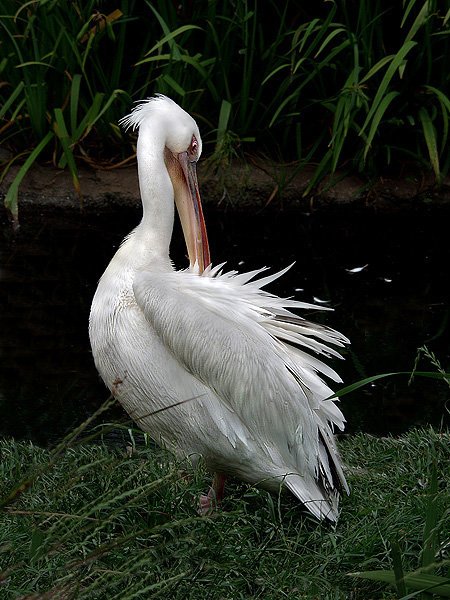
x=187, y=200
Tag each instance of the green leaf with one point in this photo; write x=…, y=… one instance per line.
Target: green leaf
x=173, y=84
x=274, y=72
x=319, y=173
x=199, y=66
x=156, y=58
x=37, y=546
x=379, y=65
x=398, y=569
x=67, y=149
x=407, y=11
x=13, y=190
x=35, y=62
x=444, y=101
x=419, y=21
x=430, y=139
x=281, y=106
x=304, y=31
x=441, y=96
x=224, y=116
x=11, y=98
x=170, y=36
x=90, y=117
x=74, y=99
x=363, y=382
x=328, y=60
x=377, y=118
x=429, y=533
x=328, y=39
x=96, y=116
x=395, y=63
x=447, y=17
x=316, y=30
x=414, y=581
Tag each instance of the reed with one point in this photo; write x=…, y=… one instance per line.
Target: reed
x=346, y=86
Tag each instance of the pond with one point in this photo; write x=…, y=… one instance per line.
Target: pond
x=386, y=276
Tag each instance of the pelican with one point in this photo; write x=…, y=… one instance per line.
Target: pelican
x=205, y=361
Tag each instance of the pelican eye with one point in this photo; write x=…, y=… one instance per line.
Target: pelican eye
x=193, y=149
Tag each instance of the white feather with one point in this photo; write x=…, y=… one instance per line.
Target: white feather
x=247, y=365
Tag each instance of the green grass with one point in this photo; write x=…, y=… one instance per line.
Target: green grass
x=103, y=523
x=345, y=86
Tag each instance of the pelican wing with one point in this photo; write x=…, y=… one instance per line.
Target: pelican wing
x=231, y=336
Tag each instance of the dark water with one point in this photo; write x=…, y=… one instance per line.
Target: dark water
x=398, y=302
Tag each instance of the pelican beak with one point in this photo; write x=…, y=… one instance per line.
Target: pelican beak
x=187, y=200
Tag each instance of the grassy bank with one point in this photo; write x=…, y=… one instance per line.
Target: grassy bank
x=102, y=522
x=356, y=86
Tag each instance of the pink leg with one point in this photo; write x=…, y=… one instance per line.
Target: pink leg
x=214, y=496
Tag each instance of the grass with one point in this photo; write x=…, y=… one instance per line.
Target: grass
x=344, y=86
x=105, y=522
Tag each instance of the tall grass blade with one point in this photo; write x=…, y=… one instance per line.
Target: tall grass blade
x=11, y=98
x=224, y=116
x=281, y=107
x=72, y=57
x=169, y=37
x=446, y=18
x=274, y=72
x=328, y=39
x=419, y=21
x=378, y=115
x=197, y=65
x=407, y=10
x=173, y=84
x=395, y=64
x=97, y=114
x=320, y=172
x=429, y=533
x=12, y=193
x=398, y=569
x=379, y=65
x=37, y=63
x=74, y=101
x=90, y=117
x=430, y=139
x=63, y=136
x=444, y=101
x=413, y=581
x=367, y=380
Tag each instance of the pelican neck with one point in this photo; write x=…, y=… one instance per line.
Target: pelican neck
x=157, y=194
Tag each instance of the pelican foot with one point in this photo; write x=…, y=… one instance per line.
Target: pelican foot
x=209, y=501
x=207, y=504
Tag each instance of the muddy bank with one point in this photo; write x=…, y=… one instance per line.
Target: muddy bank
x=241, y=186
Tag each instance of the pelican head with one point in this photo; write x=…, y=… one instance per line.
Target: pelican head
x=169, y=142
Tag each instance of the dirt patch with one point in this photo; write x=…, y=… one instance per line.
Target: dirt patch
x=243, y=186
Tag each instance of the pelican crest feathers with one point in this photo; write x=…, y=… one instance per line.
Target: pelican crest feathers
x=145, y=108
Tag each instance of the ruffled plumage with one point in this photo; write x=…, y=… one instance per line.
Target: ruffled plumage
x=248, y=369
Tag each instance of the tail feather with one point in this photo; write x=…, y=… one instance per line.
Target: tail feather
x=319, y=504
x=320, y=491
x=334, y=460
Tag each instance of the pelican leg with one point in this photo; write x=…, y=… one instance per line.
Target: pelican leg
x=215, y=495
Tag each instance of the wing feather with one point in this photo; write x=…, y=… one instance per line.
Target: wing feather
x=256, y=355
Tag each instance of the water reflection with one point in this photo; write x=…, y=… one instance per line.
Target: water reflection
x=386, y=276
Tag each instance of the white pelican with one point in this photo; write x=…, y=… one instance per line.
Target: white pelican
x=256, y=407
